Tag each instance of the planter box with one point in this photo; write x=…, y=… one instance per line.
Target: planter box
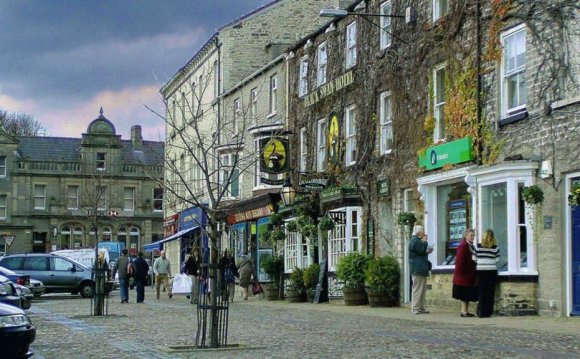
x=380, y=299
x=354, y=296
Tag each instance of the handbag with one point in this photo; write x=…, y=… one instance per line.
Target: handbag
x=257, y=288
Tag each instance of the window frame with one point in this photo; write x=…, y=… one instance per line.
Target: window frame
x=237, y=114
x=296, y=250
x=72, y=199
x=254, y=103
x=303, y=77
x=101, y=161
x=273, y=106
x=321, y=63
x=520, y=71
x=349, y=242
x=129, y=201
x=385, y=34
x=3, y=206
x=226, y=166
x=3, y=167
x=351, y=43
x=157, y=199
x=350, y=132
x=37, y=196
x=321, y=143
x=440, y=9
x=439, y=106
x=385, y=122
x=303, y=150
x=102, y=197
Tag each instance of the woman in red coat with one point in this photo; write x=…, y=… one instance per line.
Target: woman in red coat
x=464, y=276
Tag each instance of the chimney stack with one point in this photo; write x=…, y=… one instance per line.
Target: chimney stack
x=136, y=138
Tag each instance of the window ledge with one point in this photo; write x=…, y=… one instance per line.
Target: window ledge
x=271, y=114
x=518, y=277
x=513, y=118
x=566, y=102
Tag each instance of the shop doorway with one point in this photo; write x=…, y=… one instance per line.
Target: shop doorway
x=575, y=260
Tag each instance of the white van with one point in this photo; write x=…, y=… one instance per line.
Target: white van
x=84, y=256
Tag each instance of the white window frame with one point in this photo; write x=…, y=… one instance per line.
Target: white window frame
x=519, y=71
x=440, y=9
x=3, y=206
x=273, y=94
x=158, y=199
x=350, y=55
x=216, y=80
x=385, y=34
x=227, y=165
x=294, y=247
x=40, y=196
x=439, y=73
x=341, y=240
x=2, y=166
x=237, y=115
x=193, y=99
x=511, y=175
x=350, y=135
x=254, y=103
x=72, y=197
x=303, y=77
x=101, y=164
x=129, y=199
x=321, y=134
x=386, y=122
x=322, y=62
x=303, y=149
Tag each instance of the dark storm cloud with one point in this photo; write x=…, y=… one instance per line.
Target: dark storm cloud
x=55, y=49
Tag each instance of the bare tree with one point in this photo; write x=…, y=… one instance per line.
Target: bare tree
x=21, y=124
x=206, y=155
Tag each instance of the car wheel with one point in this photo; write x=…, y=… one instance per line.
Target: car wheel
x=87, y=289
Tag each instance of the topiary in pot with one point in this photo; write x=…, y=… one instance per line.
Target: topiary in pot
x=350, y=270
x=382, y=277
x=310, y=275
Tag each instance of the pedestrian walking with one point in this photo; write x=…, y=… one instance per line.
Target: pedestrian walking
x=141, y=271
x=191, y=270
x=162, y=271
x=486, y=258
x=464, y=276
x=121, y=266
x=419, y=265
x=246, y=271
x=229, y=272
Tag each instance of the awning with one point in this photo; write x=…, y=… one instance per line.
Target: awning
x=157, y=245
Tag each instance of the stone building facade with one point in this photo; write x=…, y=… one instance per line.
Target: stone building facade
x=452, y=116
x=59, y=193
x=196, y=112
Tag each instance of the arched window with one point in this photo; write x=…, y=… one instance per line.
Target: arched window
x=122, y=235
x=107, y=235
x=91, y=237
x=134, y=241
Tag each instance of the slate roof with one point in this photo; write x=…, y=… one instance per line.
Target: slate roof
x=67, y=150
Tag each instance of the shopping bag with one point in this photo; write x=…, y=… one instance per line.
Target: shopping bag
x=181, y=284
x=257, y=288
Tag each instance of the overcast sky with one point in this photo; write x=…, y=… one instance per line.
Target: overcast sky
x=61, y=60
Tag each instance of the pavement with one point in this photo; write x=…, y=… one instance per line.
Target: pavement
x=278, y=329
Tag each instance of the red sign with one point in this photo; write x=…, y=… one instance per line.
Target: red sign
x=249, y=215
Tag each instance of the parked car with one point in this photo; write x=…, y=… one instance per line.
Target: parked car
x=16, y=332
x=8, y=294
x=25, y=296
x=36, y=287
x=59, y=274
x=16, y=278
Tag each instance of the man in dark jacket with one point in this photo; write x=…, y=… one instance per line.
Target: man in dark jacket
x=121, y=268
x=141, y=271
x=419, y=268
x=191, y=270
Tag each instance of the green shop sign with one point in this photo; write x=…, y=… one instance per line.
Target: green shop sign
x=448, y=153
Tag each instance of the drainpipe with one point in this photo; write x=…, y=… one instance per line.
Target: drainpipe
x=478, y=74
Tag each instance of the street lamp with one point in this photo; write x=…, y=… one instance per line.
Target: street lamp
x=410, y=14
x=288, y=192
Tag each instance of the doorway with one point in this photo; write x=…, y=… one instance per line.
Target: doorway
x=575, y=259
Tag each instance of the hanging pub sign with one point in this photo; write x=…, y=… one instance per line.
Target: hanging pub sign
x=383, y=189
x=333, y=140
x=274, y=155
x=314, y=181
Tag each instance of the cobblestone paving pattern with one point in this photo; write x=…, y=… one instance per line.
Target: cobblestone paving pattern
x=65, y=329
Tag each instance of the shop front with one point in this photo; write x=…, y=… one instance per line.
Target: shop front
x=483, y=197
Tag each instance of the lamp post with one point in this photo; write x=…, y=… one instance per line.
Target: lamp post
x=288, y=192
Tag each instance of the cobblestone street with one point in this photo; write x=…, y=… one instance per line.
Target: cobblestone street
x=283, y=330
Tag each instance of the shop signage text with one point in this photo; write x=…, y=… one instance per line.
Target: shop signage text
x=329, y=88
x=315, y=184
x=448, y=153
x=249, y=215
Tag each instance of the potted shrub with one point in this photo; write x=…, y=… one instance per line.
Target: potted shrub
x=574, y=195
x=296, y=291
x=382, y=277
x=532, y=195
x=351, y=271
x=326, y=224
x=310, y=274
x=273, y=266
